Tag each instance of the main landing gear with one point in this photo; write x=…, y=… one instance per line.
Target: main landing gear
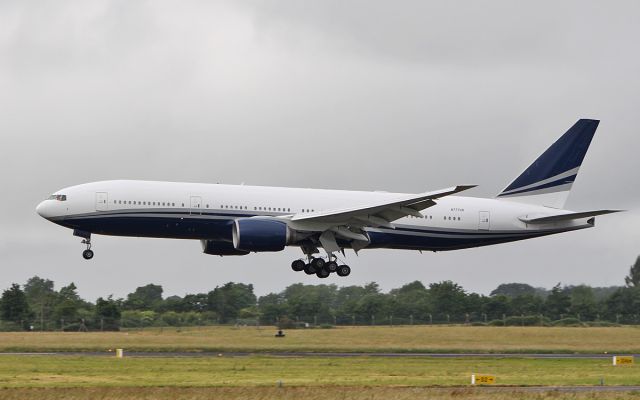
x=321, y=267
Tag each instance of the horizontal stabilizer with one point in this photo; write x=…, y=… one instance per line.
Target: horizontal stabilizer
x=566, y=217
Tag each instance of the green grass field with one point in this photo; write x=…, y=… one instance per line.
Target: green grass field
x=255, y=377
x=311, y=378
x=355, y=339
x=78, y=371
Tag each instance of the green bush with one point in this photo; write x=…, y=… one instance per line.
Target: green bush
x=568, y=322
x=604, y=324
x=8, y=326
x=527, y=320
x=171, y=318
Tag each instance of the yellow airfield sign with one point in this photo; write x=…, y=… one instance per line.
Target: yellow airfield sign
x=622, y=360
x=482, y=379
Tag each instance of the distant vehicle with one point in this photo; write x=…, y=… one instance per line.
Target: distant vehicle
x=238, y=220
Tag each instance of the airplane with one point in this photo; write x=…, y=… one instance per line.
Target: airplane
x=235, y=220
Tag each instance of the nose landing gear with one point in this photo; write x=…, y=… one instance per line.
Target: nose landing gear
x=86, y=239
x=88, y=253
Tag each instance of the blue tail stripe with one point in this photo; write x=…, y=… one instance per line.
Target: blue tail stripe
x=565, y=154
x=559, y=182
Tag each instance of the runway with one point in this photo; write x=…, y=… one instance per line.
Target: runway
x=186, y=354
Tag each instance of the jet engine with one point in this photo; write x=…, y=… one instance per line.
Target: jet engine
x=253, y=235
x=220, y=248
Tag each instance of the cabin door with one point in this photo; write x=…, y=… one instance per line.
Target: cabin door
x=102, y=200
x=196, y=205
x=483, y=222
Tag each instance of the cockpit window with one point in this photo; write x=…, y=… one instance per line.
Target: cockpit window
x=59, y=197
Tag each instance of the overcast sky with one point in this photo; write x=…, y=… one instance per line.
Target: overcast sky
x=403, y=96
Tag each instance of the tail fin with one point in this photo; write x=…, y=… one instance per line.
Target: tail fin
x=549, y=179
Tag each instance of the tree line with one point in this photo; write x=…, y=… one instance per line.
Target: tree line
x=36, y=305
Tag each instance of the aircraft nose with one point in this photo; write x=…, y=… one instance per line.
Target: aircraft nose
x=44, y=209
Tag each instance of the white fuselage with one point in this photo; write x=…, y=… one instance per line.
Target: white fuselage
x=205, y=211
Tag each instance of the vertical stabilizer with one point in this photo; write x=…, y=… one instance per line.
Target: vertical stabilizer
x=548, y=180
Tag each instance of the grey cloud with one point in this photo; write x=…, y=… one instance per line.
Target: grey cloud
x=390, y=96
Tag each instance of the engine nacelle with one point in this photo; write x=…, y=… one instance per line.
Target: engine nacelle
x=259, y=235
x=220, y=248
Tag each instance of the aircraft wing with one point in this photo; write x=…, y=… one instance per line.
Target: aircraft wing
x=566, y=217
x=380, y=214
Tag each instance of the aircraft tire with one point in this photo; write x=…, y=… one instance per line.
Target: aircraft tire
x=87, y=254
x=297, y=265
x=343, y=270
x=318, y=263
x=323, y=273
x=331, y=266
x=309, y=269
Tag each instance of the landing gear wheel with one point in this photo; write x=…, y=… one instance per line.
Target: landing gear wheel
x=309, y=269
x=343, y=270
x=87, y=254
x=331, y=266
x=323, y=273
x=318, y=263
x=297, y=265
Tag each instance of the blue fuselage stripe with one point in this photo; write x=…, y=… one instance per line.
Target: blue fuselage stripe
x=216, y=225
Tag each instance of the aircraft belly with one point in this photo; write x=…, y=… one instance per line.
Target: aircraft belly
x=441, y=241
x=186, y=227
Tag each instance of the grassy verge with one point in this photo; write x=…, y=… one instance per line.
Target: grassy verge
x=344, y=339
x=310, y=393
x=260, y=371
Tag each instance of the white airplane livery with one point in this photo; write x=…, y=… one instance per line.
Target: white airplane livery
x=238, y=220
